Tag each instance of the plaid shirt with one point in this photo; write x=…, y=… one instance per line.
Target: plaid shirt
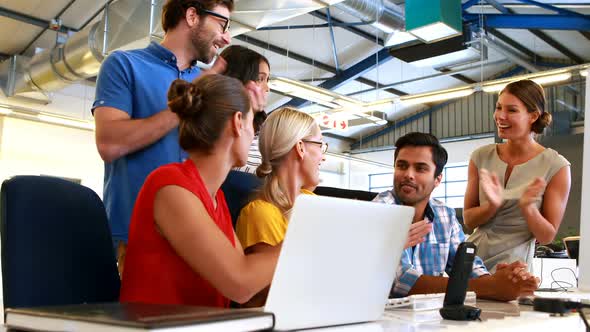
x=436, y=254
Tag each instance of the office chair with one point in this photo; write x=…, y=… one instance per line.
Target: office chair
x=239, y=188
x=56, y=244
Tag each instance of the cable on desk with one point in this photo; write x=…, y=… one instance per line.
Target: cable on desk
x=559, y=282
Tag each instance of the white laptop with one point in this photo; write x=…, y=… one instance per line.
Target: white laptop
x=337, y=262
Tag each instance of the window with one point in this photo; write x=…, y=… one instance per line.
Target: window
x=452, y=188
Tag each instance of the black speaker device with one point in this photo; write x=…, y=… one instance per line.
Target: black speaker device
x=454, y=307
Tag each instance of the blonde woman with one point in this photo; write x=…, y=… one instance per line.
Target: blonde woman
x=292, y=151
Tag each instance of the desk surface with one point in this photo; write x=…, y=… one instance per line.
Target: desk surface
x=495, y=316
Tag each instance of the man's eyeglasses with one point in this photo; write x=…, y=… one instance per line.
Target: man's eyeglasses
x=202, y=10
x=323, y=145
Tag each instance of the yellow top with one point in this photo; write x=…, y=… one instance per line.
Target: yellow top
x=262, y=222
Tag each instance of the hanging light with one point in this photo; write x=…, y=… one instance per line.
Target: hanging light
x=547, y=79
x=433, y=20
x=435, y=96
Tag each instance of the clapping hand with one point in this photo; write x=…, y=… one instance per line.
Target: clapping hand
x=491, y=187
x=218, y=67
x=532, y=192
x=417, y=232
x=257, y=96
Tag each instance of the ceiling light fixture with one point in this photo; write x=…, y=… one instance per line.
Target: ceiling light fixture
x=312, y=93
x=433, y=20
x=70, y=122
x=435, y=96
x=24, y=113
x=546, y=79
x=5, y=111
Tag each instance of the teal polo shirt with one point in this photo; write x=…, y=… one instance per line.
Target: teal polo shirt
x=137, y=83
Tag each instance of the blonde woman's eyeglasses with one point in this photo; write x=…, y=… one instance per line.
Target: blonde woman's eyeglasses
x=323, y=145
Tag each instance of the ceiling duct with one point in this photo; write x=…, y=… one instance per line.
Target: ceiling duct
x=126, y=24
x=382, y=14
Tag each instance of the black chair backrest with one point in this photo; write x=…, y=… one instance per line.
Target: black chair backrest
x=56, y=244
x=345, y=193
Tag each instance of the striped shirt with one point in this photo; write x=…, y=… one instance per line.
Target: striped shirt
x=254, y=158
x=434, y=256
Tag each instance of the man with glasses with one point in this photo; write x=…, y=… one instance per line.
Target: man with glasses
x=135, y=130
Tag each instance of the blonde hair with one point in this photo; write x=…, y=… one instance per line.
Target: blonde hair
x=281, y=131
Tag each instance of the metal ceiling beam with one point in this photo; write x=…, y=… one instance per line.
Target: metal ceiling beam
x=350, y=74
x=43, y=31
x=556, y=45
x=552, y=8
x=342, y=138
x=469, y=4
x=440, y=74
x=512, y=72
x=32, y=20
x=354, y=30
x=334, y=51
x=287, y=53
x=533, y=21
x=360, y=68
x=540, y=34
x=462, y=78
x=513, y=43
x=499, y=7
x=96, y=14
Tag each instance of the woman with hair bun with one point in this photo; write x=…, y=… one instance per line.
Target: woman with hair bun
x=292, y=151
x=182, y=247
x=517, y=190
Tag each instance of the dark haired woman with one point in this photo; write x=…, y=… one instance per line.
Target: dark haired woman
x=253, y=70
x=517, y=190
x=182, y=247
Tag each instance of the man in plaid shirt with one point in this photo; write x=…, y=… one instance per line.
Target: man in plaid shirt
x=418, y=161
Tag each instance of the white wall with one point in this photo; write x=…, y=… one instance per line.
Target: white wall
x=35, y=148
x=460, y=152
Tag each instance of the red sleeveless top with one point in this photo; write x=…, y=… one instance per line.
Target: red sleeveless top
x=154, y=272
